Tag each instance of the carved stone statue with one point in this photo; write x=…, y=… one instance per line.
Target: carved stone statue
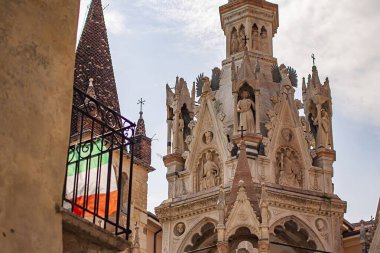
x=323, y=133
x=244, y=107
x=234, y=43
x=181, y=140
x=289, y=171
x=210, y=176
x=241, y=41
x=221, y=205
x=307, y=132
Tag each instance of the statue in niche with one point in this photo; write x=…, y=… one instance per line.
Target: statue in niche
x=210, y=173
x=288, y=171
x=307, y=132
x=181, y=126
x=234, y=43
x=323, y=130
x=255, y=37
x=241, y=39
x=264, y=35
x=244, y=107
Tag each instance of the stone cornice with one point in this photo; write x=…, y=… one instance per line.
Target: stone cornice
x=168, y=159
x=312, y=202
x=253, y=55
x=326, y=153
x=186, y=208
x=265, y=10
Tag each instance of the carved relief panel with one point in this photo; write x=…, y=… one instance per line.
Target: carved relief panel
x=209, y=171
x=289, y=169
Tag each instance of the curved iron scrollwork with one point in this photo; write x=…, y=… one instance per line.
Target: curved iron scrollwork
x=100, y=139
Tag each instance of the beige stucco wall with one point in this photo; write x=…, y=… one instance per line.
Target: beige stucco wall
x=352, y=244
x=37, y=41
x=152, y=228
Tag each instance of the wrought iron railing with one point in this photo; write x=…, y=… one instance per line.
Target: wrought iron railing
x=101, y=139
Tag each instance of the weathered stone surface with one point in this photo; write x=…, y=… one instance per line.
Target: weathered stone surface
x=81, y=236
x=37, y=41
x=282, y=152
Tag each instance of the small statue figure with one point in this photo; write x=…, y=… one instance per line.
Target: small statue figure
x=323, y=132
x=241, y=41
x=289, y=173
x=210, y=175
x=221, y=204
x=244, y=107
x=234, y=43
x=181, y=140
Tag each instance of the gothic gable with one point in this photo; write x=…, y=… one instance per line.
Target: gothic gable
x=207, y=147
x=286, y=145
x=242, y=215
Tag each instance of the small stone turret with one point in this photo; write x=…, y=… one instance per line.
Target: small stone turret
x=143, y=144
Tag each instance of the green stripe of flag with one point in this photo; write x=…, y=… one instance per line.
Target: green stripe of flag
x=98, y=159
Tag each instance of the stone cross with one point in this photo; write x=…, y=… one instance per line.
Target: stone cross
x=242, y=131
x=245, y=39
x=141, y=102
x=313, y=57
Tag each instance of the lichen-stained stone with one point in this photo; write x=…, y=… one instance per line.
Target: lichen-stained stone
x=37, y=41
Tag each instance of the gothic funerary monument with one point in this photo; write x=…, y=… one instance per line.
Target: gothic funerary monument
x=247, y=172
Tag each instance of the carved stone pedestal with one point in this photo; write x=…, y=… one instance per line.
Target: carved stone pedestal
x=252, y=141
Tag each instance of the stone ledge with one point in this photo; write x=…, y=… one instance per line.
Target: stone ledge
x=90, y=234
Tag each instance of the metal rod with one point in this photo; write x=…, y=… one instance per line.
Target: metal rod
x=197, y=250
x=155, y=240
x=299, y=247
x=130, y=186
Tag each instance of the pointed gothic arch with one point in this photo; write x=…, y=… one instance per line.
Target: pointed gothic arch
x=241, y=36
x=234, y=41
x=291, y=230
x=242, y=234
x=255, y=37
x=201, y=235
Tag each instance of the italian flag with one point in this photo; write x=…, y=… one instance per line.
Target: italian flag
x=89, y=163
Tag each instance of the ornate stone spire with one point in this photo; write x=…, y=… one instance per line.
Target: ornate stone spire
x=140, y=128
x=143, y=144
x=93, y=59
x=243, y=173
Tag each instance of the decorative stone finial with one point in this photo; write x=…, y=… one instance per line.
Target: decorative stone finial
x=141, y=102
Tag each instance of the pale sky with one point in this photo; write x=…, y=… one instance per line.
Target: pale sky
x=153, y=41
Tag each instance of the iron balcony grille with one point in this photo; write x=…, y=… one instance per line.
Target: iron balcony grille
x=96, y=187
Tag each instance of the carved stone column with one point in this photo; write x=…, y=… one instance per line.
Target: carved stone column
x=319, y=132
x=222, y=247
x=249, y=34
x=176, y=128
x=228, y=43
x=264, y=246
x=236, y=120
x=257, y=111
x=169, y=138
